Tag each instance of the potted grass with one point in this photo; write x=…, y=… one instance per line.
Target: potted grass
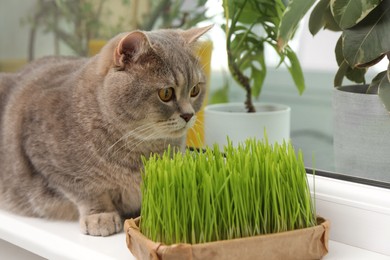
x=249, y=201
x=250, y=25
x=361, y=111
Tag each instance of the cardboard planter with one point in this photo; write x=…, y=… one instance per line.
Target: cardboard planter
x=307, y=243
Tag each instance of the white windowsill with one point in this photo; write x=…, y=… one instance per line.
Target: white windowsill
x=347, y=205
x=359, y=214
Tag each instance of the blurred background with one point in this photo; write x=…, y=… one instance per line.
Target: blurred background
x=36, y=28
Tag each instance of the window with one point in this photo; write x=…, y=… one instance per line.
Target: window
x=359, y=213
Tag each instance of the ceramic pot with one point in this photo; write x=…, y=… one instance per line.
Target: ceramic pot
x=361, y=133
x=231, y=119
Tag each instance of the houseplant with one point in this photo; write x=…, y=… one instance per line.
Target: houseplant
x=250, y=25
x=361, y=118
x=192, y=200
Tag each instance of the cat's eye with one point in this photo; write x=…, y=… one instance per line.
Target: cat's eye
x=166, y=94
x=195, y=90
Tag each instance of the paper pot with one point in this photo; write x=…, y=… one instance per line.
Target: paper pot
x=307, y=243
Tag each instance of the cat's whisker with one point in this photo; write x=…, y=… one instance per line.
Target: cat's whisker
x=204, y=65
x=135, y=135
x=130, y=134
x=201, y=52
x=92, y=157
x=198, y=123
x=142, y=141
x=165, y=126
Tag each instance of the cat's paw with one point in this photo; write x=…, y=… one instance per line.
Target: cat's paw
x=101, y=224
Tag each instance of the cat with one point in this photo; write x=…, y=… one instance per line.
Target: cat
x=73, y=130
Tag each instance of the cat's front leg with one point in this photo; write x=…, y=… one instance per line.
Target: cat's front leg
x=101, y=224
x=98, y=216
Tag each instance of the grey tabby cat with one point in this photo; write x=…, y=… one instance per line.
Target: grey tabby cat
x=73, y=129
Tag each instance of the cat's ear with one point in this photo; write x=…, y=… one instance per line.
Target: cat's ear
x=130, y=48
x=192, y=35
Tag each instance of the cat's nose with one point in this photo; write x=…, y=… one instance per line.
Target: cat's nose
x=187, y=116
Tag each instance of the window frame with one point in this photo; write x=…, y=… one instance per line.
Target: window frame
x=359, y=213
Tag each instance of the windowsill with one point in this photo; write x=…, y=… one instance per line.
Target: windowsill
x=347, y=205
x=60, y=240
x=359, y=214
x=10, y=252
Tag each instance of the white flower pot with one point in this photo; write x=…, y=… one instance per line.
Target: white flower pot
x=231, y=120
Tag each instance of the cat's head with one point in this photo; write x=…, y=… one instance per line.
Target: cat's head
x=153, y=83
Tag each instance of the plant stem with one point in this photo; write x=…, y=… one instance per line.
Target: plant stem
x=234, y=68
x=243, y=80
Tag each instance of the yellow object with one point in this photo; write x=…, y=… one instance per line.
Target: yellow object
x=195, y=136
x=12, y=65
x=94, y=46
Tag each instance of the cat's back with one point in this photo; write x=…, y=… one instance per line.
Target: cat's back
x=41, y=85
x=50, y=72
x=36, y=78
x=44, y=73
x=52, y=63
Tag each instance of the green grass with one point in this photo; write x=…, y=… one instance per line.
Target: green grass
x=199, y=197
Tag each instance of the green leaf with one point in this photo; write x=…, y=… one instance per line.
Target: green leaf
x=330, y=22
x=369, y=39
x=353, y=74
x=374, y=86
x=348, y=13
x=338, y=50
x=384, y=92
x=248, y=14
x=255, y=63
x=295, y=70
x=388, y=67
x=292, y=16
x=317, y=16
x=340, y=74
x=356, y=75
x=371, y=63
x=321, y=17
